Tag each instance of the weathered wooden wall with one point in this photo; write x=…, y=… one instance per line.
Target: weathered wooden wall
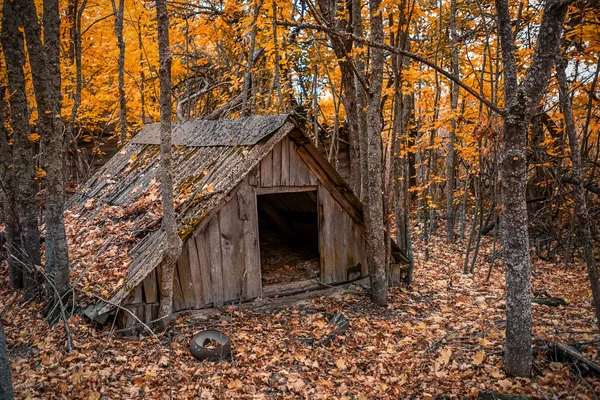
x=341, y=245
x=221, y=261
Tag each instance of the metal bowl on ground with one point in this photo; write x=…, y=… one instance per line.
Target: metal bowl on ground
x=210, y=345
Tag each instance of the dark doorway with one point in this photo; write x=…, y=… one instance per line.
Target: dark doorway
x=288, y=229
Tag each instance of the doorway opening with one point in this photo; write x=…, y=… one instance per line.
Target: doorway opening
x=288, y=229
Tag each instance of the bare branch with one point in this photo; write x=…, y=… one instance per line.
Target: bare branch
x=395, y=50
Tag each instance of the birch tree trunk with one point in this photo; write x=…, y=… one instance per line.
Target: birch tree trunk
x=521, y=101
x=581, y=211
x=374, y=211
x=23, y=210
x=173, y=242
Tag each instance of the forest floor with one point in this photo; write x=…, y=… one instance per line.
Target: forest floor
x=442, y=338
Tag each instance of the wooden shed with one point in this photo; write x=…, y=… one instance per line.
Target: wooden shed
x=259, y=209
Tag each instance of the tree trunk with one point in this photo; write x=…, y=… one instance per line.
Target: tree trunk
x=173, y=242
x=451, y=156
x=44, y=59
x=342, y=48
x=581, y=212
x=374, y=211
x=8, y=210
x=121, y=67
x=27, y=236
x=6, y=388
x=521, y=101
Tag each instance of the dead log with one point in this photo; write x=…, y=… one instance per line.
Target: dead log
x=287, y=289
x=551, y=301
x=563, y=352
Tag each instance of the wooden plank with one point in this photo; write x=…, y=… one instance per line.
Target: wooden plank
x=244, y=201
x=150, y=312
x=304, y=145
x=214, y=257
x=202, y=243
x=266, y=170
x=232, y=252
x=212, y=213
x=134, y=296
x=285, y=161
x=253, y=286
x=286, y=189
x=150, y=289
x=195, y=273
x=308, y=161
x=254, y=176
x=276, y=176
x=126, y=320
x=344, y=243
x=326, y=255
x=178, y=302
x=295, y=178
x=341, y=227
x=185, y=278
x=298, y=168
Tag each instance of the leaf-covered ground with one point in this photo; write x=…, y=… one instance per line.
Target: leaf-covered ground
x=442, y=337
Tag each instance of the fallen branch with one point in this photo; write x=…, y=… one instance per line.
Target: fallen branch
x=551, y=301
x=565, y=352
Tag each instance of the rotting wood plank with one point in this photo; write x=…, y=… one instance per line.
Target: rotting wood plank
x=213, y=212
x=266, y=170
x=134, y=296
x=254, y=176
x=295, y=167
x=244, y=201
x=301, y=171
x=285, y=161
x=195, y=273
x=326, y=253
x=150, y=290
x=214, y=253
x=178, y=301
x=253, y=286
x=185, y=278
x=232, y=252
x=276, y=175
x=286, y=289
x=344, y=238
x=304, y=144
x=126, y=320
x=201, y=241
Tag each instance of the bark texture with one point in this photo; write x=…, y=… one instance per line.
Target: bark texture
x=521, y=101
x=451, y=155
x=121, y=67
x=24, y=236
x=375, y=222
x=584, y=231
x=44, y=59
x=331, y=9
x=173, y=245
x=6, y=389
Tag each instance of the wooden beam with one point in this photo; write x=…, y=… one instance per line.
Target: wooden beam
x=285, y=189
